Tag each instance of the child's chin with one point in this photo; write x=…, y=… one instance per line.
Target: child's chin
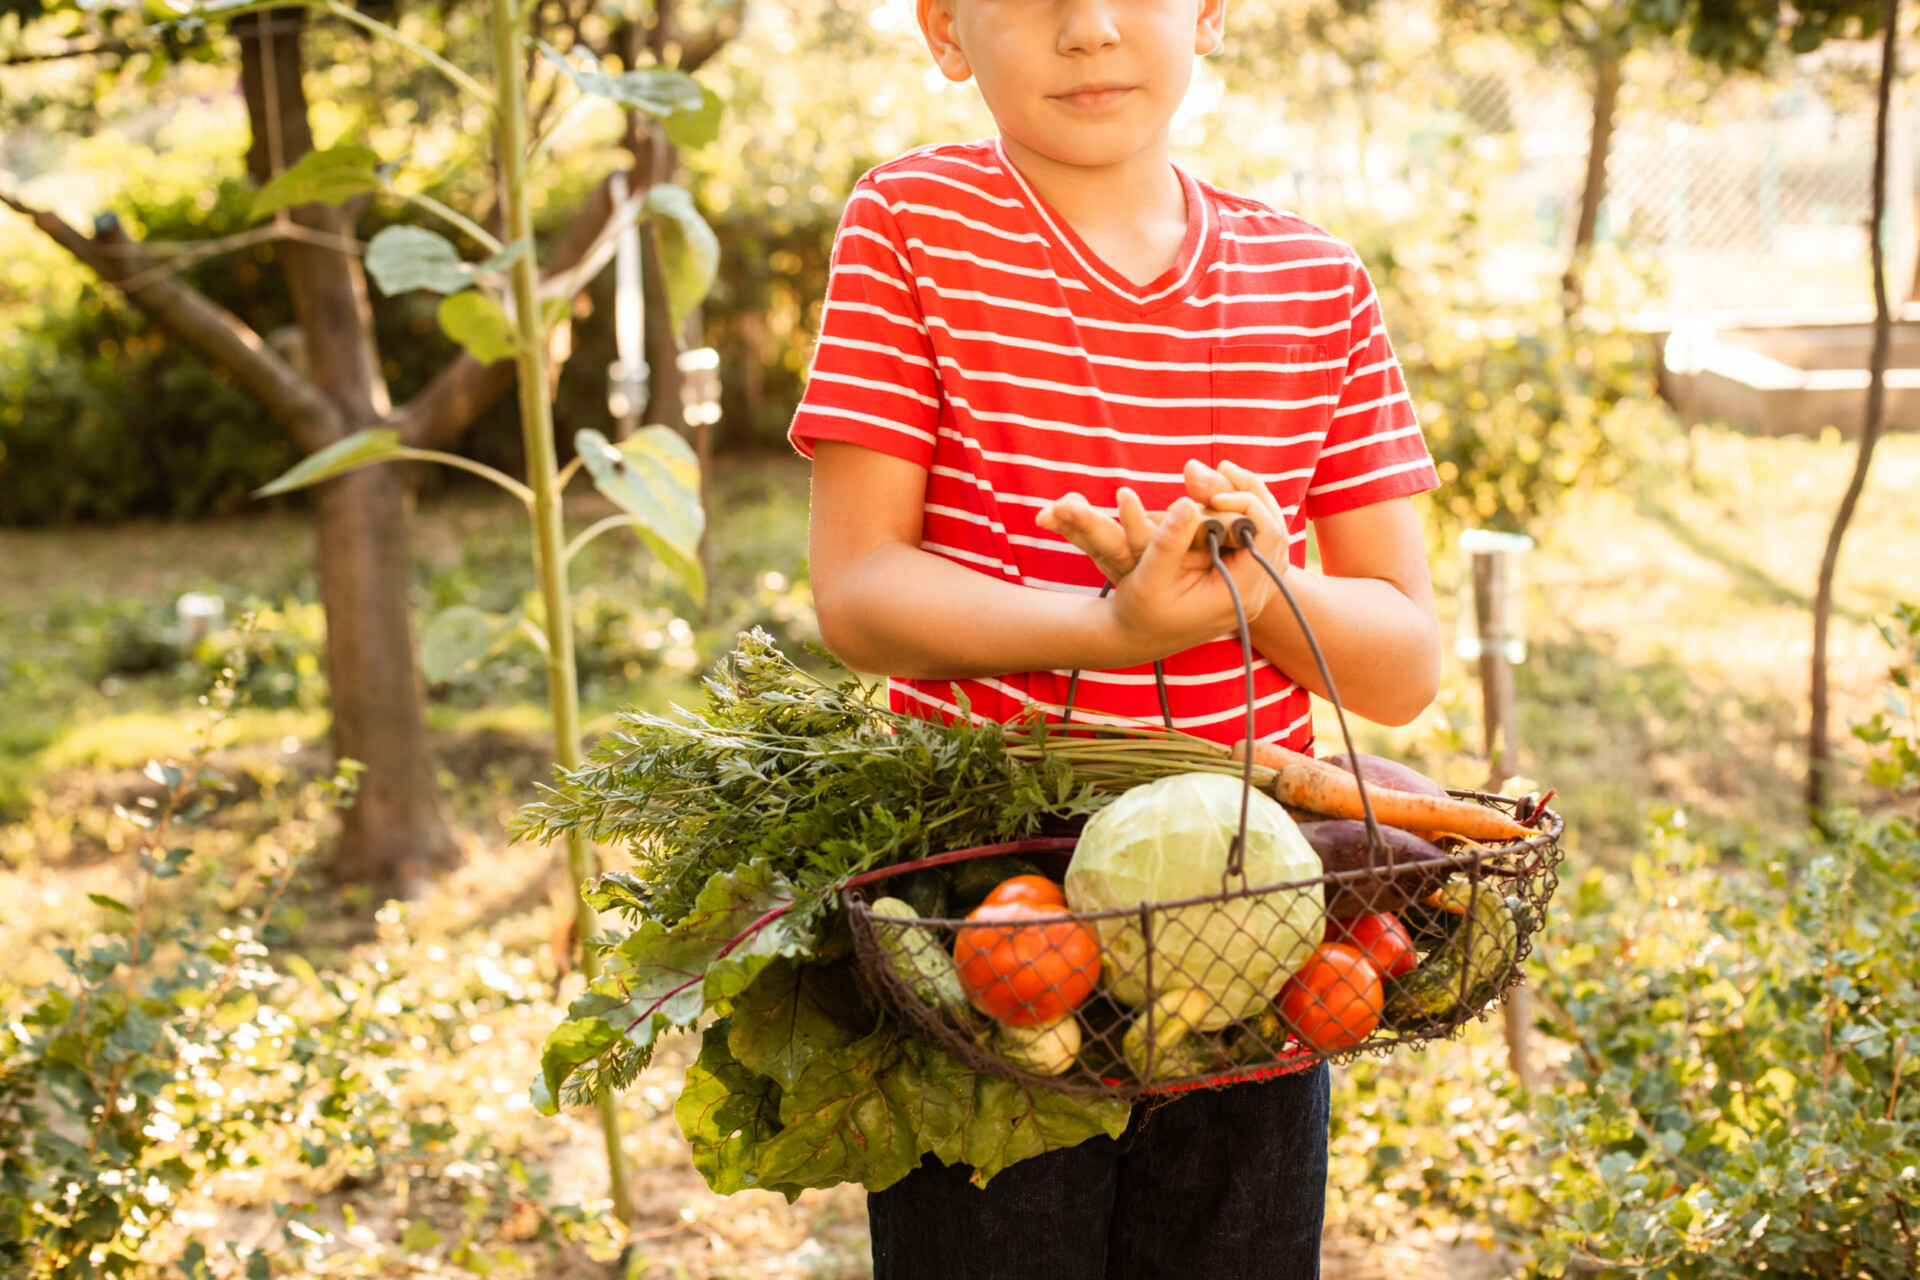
x=1090, y=144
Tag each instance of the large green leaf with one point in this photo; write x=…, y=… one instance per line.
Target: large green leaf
x=691, y=130
x=659, y=92
x=474, y=320
x=866, y=1114
x=321, y=177
x=727, y=1113
x=1010, y=1123
x=689, y=250
x=792, y=1015
x=460, y=636
x=583, y=1037
x=362, y=448
x=654, y=477
x=403, y=258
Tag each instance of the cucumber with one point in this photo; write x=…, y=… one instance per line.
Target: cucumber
x=1174, y=1050
x=917, y=956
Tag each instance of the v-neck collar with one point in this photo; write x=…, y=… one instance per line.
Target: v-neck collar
x=1171, y=286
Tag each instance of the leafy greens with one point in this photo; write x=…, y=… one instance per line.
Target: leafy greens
x=744, y=824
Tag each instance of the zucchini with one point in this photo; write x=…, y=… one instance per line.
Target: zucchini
x=1431, y=993
x=1174, y=1050
x=1046, y=1051
x=1428, y=994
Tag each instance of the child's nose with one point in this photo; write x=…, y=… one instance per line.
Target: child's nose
x=1088, y=26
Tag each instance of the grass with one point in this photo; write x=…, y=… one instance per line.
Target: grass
x=1668, y=670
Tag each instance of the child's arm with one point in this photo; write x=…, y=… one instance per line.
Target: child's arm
x=887, y=606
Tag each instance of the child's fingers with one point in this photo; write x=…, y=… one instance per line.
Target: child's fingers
x=1246, y=481
x=1134, y=520
x=1204, y=483
x=1168, y=547
x=1074, y=518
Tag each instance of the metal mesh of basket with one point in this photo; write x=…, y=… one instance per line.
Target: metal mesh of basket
x=1223, y=987
x=1211, y=990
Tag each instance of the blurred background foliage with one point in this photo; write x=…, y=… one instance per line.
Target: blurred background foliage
x=1667, y=1133
x=102, y=419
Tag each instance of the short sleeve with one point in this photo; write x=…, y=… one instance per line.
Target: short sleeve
x=874, y=381
x=1374, y=450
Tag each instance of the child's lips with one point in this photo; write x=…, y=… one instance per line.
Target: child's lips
x=1094, y=97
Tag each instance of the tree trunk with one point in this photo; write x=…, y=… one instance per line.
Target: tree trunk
x=1606, y=95
x=1819, y=749
x=396, y=832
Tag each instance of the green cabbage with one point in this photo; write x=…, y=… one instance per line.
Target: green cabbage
x=1168, y=840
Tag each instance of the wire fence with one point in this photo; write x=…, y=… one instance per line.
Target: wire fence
x=1754, y=200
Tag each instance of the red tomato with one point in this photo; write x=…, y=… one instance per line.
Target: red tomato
x=1038, y=890
x=1334, y=1002
x=1381, y=938
x=1026, y=974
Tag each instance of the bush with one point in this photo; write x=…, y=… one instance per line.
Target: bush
x=1744, y=1089
x=1733, y=1057
x=180, y=1056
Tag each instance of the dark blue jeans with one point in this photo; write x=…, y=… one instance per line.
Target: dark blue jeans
x=1227, y=1184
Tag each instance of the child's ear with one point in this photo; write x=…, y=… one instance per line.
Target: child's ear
x=942, y=35
x=1209, y=27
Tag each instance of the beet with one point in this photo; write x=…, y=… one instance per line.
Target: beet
x=1389, y=775
x=1413, y=867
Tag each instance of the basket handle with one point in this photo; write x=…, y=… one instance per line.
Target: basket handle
x=1239, y=534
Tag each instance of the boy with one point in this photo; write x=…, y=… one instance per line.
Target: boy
x=1028, y=344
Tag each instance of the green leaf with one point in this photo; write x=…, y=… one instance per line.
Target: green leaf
x=689, y=250
x=321, y=177
x=569, y=1046
x=682, y=566
x=476, y=321
x=727, y=1113
x=661, y=93
x=654, y=477
x=420, y=1235
x=658, y=977
x=691, y=130
x=866, y=1114
x=111, y=904
x=791, y=1015
x=1010, y=1123
x=403, y=258
x=460, y=636
x=362, y=448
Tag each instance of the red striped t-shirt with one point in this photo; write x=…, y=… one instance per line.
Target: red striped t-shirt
x=969, y=330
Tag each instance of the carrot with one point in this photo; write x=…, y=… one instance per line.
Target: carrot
x=1307, y=783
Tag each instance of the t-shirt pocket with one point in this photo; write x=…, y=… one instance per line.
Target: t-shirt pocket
x=1270, y=403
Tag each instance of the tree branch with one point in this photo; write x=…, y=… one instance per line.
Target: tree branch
x=216, y=333
x=104, y=49
x=461, y=392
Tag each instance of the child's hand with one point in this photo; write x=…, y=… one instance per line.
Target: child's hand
x=1173, y=599
x=1114, y=545
x=1234, y=488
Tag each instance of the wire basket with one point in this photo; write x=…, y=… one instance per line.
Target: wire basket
x=1246, y=983
x=1178, y=1010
